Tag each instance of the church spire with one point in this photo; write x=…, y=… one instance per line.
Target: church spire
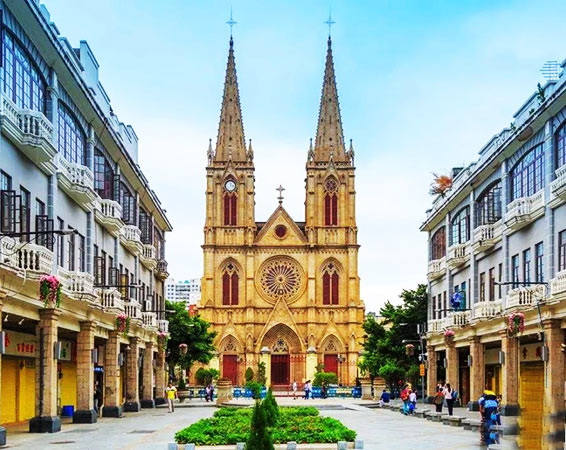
x=329, y=135
x=230, y=130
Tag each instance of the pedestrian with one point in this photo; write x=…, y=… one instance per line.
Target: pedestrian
x=405, y=397
x=306, y=389
x=207, y=392
x=211, y=391
x=96, y=397
x=385, y=397
x=171, y=395
x=489, y=411
x=294, y=389
x=412, y=401
x=438, y=399
x=449, y=396
x=323, y=390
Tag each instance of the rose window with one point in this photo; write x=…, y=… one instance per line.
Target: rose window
x=280, y=278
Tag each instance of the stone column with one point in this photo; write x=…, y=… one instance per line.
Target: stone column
x=366, y=388
x=311, y=363
x=553, y=413
x=452, y=365
x=2, y=429
x=112, y=400
x=85, y=412
x=431, y=372
x=510, y=368
x=46, y=419
x=477, y=372
x=160, y=377
x=266, y=359
x=147, y=381
x=132, y=377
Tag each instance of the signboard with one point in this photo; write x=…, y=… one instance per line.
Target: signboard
x=422, y=370
x=19, y=344
x=66, y=351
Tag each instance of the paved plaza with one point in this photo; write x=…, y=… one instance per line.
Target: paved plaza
x=153, y=429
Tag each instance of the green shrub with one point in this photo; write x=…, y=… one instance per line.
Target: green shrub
x=249, y=374
x=260, y=438
x=255, y=387
x=271, y=408
x=327, y=377
x=205, y=376
x=261, y=379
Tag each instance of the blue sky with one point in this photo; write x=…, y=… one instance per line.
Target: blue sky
x=423, y=86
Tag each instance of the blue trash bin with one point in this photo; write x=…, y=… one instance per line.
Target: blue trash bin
x=67, y=411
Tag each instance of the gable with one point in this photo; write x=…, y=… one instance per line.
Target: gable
x=280, y=230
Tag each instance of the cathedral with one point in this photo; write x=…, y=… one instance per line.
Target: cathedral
x=282, y=292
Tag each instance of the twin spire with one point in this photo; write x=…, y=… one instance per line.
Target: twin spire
x=329, y=142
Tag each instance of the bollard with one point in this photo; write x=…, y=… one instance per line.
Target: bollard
x=240, y=445
x=190, y=447
x=291, y=446
x=342, y=445
x=172, y=446
x=359, y=444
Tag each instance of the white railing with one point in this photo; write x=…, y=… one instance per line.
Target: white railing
x=33, y=257
x=558, y=186
x=148, y=251
x=32, y=123
x=149, y=320
x=77, y=174
x=487, y=309
x=436, y=267
x=488, y=233
x=8, y=252
x=109, y=208
x=163, y=325
x=523, y=208
x=525, y=296
x=75, y=282
x=111, y=299
x=435, y=325
x=133, y=309
x=458, y=251
x=558, y=284
x=457, y=319
x=131, y=233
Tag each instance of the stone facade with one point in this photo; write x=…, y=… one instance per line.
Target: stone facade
x=282, y=291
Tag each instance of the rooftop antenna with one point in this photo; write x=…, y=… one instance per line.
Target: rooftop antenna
x=329, y=22
x=550, y=70
x=231, y=22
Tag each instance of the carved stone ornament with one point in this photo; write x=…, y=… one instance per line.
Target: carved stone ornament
x=280, y=278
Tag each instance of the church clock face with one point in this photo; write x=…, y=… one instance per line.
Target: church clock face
x=280, y=278
x=230, y=186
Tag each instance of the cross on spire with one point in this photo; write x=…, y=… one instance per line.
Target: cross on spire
x=329, y=22
x=231, y=22
x=280, y=198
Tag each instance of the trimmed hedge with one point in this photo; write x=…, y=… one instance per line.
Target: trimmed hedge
x=232, y=425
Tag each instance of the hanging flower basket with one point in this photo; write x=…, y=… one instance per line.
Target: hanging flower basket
x=162, y=339
x=449, y=336
x=409, y=349
x=183, y=349
x=123, y=324
x=516, y=324
x=440, y=185
x=50, y=291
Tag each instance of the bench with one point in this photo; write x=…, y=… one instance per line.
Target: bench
x=421, y=413
x=434, y=416
x=455, y=421
x=474, y=425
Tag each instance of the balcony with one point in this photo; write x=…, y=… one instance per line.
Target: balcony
x=458, y=255
x=558, y=286
x=487, y=309
x=558, y=187
x=163, y=325
x=111, y=301
x=130, y=236
x=149, y=320
x=35, y=259
x=524, y=210
x=78, y=182
x=435, y=325
x=79, y=285
x=133, y=310
x=486, y=236
x=457, y=319
x=147, y=256
x=108, y=213
x=31, y=132
x=161, y=271
x=525, y=297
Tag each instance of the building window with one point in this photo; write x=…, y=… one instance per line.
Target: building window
x=527, y=265
x=461, y=227
x=230, y=288
x=128, y=203
x=330, y=285
x=561, y=250
x=71, y=251
x=146, y=226
x=438, y=244
x=5, y=181
x=499, y=278
x=482, y=287
x=23, y=83
x=81, y=253
x=331, y=202
x=492, y=284
x=488, y=206
x=103, y=176
x=527, y=177
x=230, y=208
x=71, y=137
x=25, y=214
x=539, y=262
x=561, y=146
x=515, y=270
x=60, y=243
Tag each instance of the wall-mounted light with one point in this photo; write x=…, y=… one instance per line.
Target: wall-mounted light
x=120, y=359
x=57, y=350
x=470, y=360
x=21, y=321
x=94, y=355
x=6, y=318
x=2, y=342
x=501, y=357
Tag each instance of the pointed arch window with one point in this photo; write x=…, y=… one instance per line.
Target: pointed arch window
x=230, y=291
x=331, y=202
x=330, y=285
x=230, y=203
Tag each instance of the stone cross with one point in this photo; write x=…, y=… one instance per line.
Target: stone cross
x=280, y=198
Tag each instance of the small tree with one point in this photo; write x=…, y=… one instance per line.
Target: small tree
x=261, y=379
x=271, y=408
x=249, y=374
x=391, y=374
x=259, y=439
x=327, y=377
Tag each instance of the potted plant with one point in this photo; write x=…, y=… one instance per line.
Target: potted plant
x=516, y=324
x=440, y=185
x=162, y=338
x=449, y=336
x=123, y=324
x=182, y=391
x=409, y=349
x=50, y=291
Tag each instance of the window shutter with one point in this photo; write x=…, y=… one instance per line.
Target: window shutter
x=326, y=288
x=114, y=276
x=234, y=210
x=124, y=282
x=10, y=204
x=334, y=200
x=226, y=289
x=226, y=209
x=235, y=279
x=99, y=270
x=327, y=209
x=335, y=285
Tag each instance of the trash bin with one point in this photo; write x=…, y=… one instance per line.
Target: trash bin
x=67, y=411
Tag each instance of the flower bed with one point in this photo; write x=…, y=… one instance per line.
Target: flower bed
x=232, y=425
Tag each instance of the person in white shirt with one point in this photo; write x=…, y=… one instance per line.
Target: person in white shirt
x=294, y=389
x=413, y=400
x=449, y=397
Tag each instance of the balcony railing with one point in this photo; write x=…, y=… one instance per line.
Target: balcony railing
x=486, y=236
x=525, y=297
x=111, y=300
x=77, y=284
x=457, y=319
x=149, y=320
x=109, y=214
x=130, y=235
x=558, y=285
x=436, y=268
x=458, y=254
x=435, y=325
x=558, y=186
x=133, y=310
x=488, y=309
x=524, y=210
x=163, y=325
x=147, y=256
x=78, y=182
x=35, y=259
x=161, y=271
x=32, y=132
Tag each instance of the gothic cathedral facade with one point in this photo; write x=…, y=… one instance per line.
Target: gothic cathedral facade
x=282, y=292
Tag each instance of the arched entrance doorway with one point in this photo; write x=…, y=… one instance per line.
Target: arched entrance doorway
x=229, y=350
x=287, y=356
x=280, y=363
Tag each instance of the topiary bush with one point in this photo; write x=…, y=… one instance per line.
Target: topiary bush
x=271, y=408
x=255, y=387
x=249, y=374
x=260, y=438
x=327, y=377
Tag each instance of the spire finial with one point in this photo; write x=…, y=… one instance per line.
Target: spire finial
x=231, y=22
x=329, y=22
x=280, y=198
